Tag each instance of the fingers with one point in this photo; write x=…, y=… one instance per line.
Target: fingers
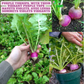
x=25, y=48
x=37, y=50
x=28, y=57
x=80, y=33
x=77, y=36
x=39, y=46
x=23, y=44
x=76, y=42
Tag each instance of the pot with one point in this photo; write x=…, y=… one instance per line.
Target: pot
x=69, y=78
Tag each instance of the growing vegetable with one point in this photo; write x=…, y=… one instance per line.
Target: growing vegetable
x=60, y=61
x=75, y=12
x=78, y=58
x=64, y=20
x=34, y=55
x=30, y=28
x=66, y=55
x=62, y=71
x=74, y=66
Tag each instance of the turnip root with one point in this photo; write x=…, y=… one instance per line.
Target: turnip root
x=34, y=55
x=74, y=66
x=62, y=71
x=65, y=21
x=75, y=13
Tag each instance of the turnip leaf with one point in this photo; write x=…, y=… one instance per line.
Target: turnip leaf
x=30, y=27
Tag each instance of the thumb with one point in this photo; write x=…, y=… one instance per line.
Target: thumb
x=24, y=47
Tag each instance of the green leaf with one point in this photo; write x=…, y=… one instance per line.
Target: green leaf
x=45, y=38
x=27, y=77
x=30, y=28
x=59, y=6
x=38, y=20
x=19, y=71
x=12, y=81
x=34, y=74
x=45, y=79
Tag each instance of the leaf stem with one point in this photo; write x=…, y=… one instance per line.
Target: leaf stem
x=37, y=36
x=57, y=55
x=77, y=3
x=57, y=9
x=20, y=35
x=27, y=36
x=61, y=4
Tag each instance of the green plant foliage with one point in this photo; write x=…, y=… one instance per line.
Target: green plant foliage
x=57, y=6
x=63, y=52
x=31, y=28
x=41, y=80
x=45, y=36
x=77, y=3
x=9, y=38
x=12, y=81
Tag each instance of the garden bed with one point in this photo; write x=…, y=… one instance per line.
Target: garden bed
x=8, y=40
x=75, y=25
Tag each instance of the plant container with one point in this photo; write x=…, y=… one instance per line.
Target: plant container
x=69, y=78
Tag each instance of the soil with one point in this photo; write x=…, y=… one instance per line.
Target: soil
x=67, y=70
x=75, y=25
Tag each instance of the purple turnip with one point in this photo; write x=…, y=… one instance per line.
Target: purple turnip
x=34, y=55
x=62, y=71
x=74, y=66
x=65, y=21
x=75, y=13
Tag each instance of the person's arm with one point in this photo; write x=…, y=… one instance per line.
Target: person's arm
x=55, y=34
x=16, y=59
x=6, y=72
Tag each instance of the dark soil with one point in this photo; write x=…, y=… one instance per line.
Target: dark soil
x=75, y=25
x=67, y=70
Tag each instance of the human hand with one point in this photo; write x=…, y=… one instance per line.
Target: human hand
x=19, y=55
x=74, y=37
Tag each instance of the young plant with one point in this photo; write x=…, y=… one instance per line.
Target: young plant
x=78, y=58
x=75, y=12
x=31, y=29
x=66, y=54
x=60, y=60
x=41, y=80
x=64, y=20
x=78, y=54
